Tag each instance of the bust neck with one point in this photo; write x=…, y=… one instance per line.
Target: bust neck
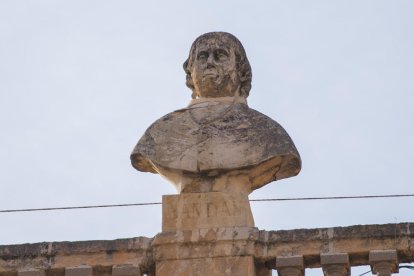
x=201, y=102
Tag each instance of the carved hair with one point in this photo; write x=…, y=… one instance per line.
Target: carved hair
x=242, y=63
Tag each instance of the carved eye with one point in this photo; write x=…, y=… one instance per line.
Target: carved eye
x=221, y=55
x=202, y=56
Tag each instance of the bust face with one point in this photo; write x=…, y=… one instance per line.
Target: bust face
x=214, y=71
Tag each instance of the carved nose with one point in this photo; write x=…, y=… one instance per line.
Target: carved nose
x=210, y=62
x=210, y=59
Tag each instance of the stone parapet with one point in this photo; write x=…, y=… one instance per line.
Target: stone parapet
x=363, y=244
x=66, y=258
x=357, y=241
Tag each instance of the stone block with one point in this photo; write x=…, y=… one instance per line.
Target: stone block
x=31, y=272
x=383, y=255
x=334, y=258
x=125, y=270
x=241, y=266
x=205, y=210
x=83, y=270
x=383, y=262
x=290, y=266
x=289, y=261
x=263, y=271
x=335, y=264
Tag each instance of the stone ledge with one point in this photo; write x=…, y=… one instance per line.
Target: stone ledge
x=56, y=256
x=357, y=241
x=14, y=251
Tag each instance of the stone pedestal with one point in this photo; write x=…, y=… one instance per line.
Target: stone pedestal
x=206, y=234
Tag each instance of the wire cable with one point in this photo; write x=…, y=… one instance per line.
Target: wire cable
x=365, y=273
x=333, y=197
x=407, y=266
x=79, y=207
x=159, y=203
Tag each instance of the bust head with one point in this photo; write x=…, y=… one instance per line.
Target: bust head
x=217, y=66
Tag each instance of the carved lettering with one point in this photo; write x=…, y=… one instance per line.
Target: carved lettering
x=191, y=210
x=211, y=209
x=207, y=210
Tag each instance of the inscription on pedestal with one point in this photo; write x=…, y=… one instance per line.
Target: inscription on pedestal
x=205, y=210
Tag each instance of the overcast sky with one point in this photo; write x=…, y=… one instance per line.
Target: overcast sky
x=80, y=81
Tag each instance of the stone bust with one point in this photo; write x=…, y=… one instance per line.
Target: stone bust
x=217, y=143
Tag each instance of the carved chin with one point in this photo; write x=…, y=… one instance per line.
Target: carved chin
x=211, y=79
x=216, y=86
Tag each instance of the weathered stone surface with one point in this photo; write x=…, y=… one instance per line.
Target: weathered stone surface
x=290, y=265
x=217, y=143
x=335, y=270
x=56, y=256
x=243, y=266
x=335, y=264
x=203, y=243
x=126, y=270
x=205, y=210
x=357, y=241
x=241, y=140
x=334, y=258
x=383, y=262
x=83, y=270
x=263, y=271
x=215, y=152
x=31, y=272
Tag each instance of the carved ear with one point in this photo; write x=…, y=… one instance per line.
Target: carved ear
x=244, y=73
x=242, y=79
x=190, y=84
x=185, y=64
x=245, y=78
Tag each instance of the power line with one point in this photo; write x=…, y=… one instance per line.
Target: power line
x=158, y=203
x=79, y=207
x=332, y=197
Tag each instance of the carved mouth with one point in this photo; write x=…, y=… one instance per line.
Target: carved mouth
x=210, y=72
x=210, y=76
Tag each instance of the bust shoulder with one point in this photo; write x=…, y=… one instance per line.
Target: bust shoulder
x=222, y=137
